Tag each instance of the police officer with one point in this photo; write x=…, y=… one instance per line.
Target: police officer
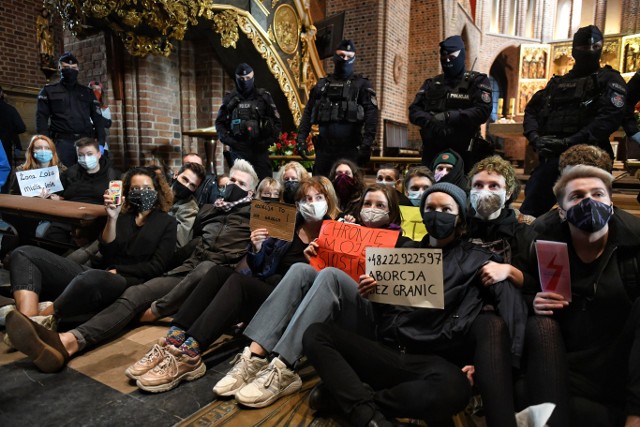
x=344, y=106
x=450, y=107
x=582, y=107
x=629, y=123
x=68, y=111
x=248, y=122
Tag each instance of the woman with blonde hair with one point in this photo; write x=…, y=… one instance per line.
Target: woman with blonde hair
x=290, y=176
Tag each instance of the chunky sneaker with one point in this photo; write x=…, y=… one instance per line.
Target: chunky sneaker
x=244, y=371
x=273, y=382
x=148, y=361
x=174, y=368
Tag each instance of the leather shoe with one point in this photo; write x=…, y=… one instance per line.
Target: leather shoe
x=39, y=343
x=321, y=400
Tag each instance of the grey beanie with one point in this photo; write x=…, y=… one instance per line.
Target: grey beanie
x=453, y=190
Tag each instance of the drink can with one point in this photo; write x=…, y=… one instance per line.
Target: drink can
x=115, y=190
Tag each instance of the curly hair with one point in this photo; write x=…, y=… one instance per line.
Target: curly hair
x=165, y=195
x=322, y=185
x=391, y=195
x=30, y=162
x=502, y=167
x=584, y=154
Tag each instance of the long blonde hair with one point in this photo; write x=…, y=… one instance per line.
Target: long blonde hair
x=30, y=162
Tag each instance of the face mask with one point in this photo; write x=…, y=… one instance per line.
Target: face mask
x=590, y=215
x=343, y=68
x=233, y=193
x=313, y=212
x=387, y=183
x=586, y=61
x=180, y=190
x=43, y=156
x=453, y=67
x=344, y=186
x=244, y=86
x=270, y=199
x=375, y=218
x=440, y=225
x=415, y=197
x=88, y=162
x=486, y=202
x=69, y=76
x=290, y=190
x=142, y=200
x=438, y=176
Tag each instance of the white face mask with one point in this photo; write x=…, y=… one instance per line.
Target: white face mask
x=373, y=217
x=415, y=197
x=313, y=212
x=388, y=183
x=486, y=203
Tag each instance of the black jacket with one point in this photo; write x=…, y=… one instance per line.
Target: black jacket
x=11, y=125
x=80, y=186
x=629, y=122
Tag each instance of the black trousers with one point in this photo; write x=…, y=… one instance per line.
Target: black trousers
x=326, y=156
x=363, y=375
x=221, y=299
x=538, y=192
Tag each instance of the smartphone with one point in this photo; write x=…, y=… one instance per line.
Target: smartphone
x=115, y=190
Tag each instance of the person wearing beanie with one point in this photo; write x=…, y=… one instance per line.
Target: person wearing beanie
x=585, y=106
x=67, y=111
x=448, y=166
x=411, y=365
x=450, y=107
x=344, y=106
x=248, y=122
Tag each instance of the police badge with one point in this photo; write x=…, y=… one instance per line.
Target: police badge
x=486, y=97
x=617, y=100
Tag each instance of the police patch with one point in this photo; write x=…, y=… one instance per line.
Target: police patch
x=486, y=97
x=617, y=100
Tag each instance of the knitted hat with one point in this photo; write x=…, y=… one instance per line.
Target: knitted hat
x=454, y=191
x=243, y=69
x=68, y=58
x=587, y=35
x=446, y=157
x=346, y=45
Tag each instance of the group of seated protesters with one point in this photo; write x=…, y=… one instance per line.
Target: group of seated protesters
x=187, y=251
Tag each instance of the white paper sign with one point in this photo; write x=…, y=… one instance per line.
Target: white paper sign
x=33, y=181
x=404, y=276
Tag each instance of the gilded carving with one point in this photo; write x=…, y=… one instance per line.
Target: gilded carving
x=225, y=25
x=630, y=54
x=294, y=66
x=274, y=3
x=286, y=27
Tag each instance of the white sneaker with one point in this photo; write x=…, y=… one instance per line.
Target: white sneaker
x=244, y=371
x=270, y=384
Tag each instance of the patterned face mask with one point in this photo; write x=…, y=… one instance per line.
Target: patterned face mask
x=142, y=200
x=590, y=215
x=486, y=202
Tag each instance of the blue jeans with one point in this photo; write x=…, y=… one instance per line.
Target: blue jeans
x=303, y=297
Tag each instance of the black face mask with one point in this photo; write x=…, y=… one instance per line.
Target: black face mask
x=440, y=225
x=180, y=190
x=454, y=67
x=590, y=215
x=233, y=193
x=343, y=67
x=69, y=76
x=244, y=86
x=142, y=200
x=290, y=190
x=587, y=61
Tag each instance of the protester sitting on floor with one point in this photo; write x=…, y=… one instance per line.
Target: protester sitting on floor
x=278, y=325
x=448, y=166
x=136, y=245
x=348, y=181
x=269, y=190
x=404, y=361
x=290, y=175
x=85, y=182
x=389, y=174
x=225, y=297
x=416, y=181
x=208, y=191
x=584, y=354
x=222, y=231
x=185, y=206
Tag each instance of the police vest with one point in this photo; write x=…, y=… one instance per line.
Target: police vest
x=439, y=97
x=246, y=120
x=570, y=104
x=338, y=102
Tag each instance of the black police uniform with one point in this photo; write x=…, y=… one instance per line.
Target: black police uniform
x=574, y=110
x=466, y=101
x=249, y=125
x=67, y=113
x=346, y=111
x=629, y=123
x=11, y=125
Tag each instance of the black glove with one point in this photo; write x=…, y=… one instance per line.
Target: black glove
x=364, y=155
x=441, y=118
x=302, y=149
x=438, y=124
x=549, y=146
x=231, y=142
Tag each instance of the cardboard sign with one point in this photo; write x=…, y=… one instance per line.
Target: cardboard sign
x=278, y=218
x=411, y=277
x=412, y=225
x=554, y=268
x=33, y=181
x=344, y=246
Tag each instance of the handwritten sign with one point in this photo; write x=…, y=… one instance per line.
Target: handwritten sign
x=411, y=277
x=278, y=218
x=553, y=266
x=33, y=181
x=412, y=225
x=343, y=246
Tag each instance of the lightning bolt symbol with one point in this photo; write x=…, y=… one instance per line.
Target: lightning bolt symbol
x=553, y=283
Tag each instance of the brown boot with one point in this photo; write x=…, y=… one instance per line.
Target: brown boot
x=36, y=341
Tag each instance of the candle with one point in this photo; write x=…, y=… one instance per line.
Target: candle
x=500, y=106
x=512, y=106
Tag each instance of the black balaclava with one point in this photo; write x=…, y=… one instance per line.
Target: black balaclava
x=68, y=76
x=244, y=86
x=344, y=68
x=587, y=61
x=455, y=67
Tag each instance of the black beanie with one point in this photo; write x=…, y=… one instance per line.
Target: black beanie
x=346, y=45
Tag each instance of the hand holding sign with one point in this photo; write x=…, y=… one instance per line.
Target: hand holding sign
x=258, y=236
x=555, y=277
x=278, y=218
x=33, y=181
